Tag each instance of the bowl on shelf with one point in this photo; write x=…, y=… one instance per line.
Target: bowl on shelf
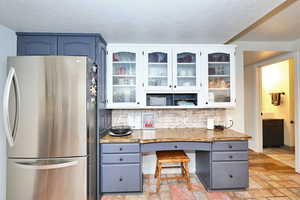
x=120, y=131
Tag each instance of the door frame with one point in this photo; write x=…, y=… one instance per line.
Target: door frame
x=295, y=56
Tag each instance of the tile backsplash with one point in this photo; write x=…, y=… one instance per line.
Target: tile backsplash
x=179, y=118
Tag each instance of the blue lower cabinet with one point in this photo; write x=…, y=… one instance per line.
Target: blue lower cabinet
x=121, y=167
x=77, y=46
x=121, y=178
x=37, y=45
x=230, y=175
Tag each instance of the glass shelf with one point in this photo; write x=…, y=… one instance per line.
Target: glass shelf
x=124, y=94
x=219, y=78
x=158, y=69
x=121, y=57
x=124, y=77
x=186, y=69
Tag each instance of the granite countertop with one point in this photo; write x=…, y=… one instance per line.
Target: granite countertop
x=177, y=135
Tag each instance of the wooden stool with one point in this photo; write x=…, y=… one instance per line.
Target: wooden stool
x=167, y=157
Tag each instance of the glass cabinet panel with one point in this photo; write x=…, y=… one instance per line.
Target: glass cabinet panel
x=219, y=77
x=157, y=69
x=186, y=69
x=124, y=77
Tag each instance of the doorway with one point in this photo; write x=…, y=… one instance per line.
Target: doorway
x=277, y=108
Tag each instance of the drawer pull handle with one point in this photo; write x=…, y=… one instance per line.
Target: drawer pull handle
x=230, y=157
x=121, y=159
x=121, y=179
x=230, y=146
x=175, y=146
x=230, y=176
x=121, y=149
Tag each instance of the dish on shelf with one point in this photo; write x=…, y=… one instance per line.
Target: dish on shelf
x=119, y=131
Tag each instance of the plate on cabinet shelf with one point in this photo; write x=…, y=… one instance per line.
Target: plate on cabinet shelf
x=119, y=131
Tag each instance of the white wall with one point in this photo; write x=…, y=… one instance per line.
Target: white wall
x=8, y=45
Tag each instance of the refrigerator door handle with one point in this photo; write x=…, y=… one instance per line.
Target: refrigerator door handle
x=11, y=79
x=46, y=164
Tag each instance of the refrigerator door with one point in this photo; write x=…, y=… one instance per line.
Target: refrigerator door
x=47, y=179
x=46, y=109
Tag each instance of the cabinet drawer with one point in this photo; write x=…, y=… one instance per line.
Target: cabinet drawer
x=163, y=146
x=230, y=146
x=230, y=155
x=121, y=178
x=120, y=158
x=120, y=148
x=230, y=175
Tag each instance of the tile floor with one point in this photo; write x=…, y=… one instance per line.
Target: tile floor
x=282, y=155
x=269, y=180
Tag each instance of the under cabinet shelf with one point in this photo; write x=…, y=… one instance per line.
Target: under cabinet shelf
x=219, y=88
x=217, y=76
x=218, y=62
x=124, y=85
x=123, y=62
x=124, y=75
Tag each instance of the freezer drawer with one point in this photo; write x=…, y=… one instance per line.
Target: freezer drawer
x=47, y=179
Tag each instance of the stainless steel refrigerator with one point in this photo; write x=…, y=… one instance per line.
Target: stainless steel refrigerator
x=50, y=123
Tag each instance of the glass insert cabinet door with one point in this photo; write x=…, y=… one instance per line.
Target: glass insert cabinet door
x=159, y=75
x=219, y=78
x=185, y=70
x=124, y=77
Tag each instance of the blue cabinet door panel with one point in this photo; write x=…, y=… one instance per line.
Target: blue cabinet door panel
x=37, y=46
x=77, y=46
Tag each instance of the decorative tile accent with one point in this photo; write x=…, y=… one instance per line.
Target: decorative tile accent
x=177, y=118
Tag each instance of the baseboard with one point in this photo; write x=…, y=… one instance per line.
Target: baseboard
x=289, y=148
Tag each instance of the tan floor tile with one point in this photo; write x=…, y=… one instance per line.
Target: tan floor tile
x=289, y=194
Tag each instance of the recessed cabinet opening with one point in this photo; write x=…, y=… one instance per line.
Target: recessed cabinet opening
x=172, y=99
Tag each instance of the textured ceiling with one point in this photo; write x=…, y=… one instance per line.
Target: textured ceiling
x=253, y=57
x=285, y=26
x=139, y=21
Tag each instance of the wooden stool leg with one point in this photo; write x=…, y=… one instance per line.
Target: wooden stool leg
x=158, y=178
x=156, y=169
x=182, y=169
x=187, y=175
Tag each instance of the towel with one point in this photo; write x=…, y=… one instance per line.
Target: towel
x=276, y=99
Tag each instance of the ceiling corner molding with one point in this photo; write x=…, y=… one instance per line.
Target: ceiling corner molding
x=260, y=21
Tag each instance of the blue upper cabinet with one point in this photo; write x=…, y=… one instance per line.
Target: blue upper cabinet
x=77, y=46
x=37, y=45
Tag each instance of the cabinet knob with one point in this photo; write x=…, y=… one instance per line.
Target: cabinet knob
x=175, y=146
x=230, y=146
x=121, y=159
x=230, y=176
x=170, y=86
x=121, y=179
x=206, y=102
x=138, y=102
x=174, y=86
x=121, y=149
x=230, y=157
